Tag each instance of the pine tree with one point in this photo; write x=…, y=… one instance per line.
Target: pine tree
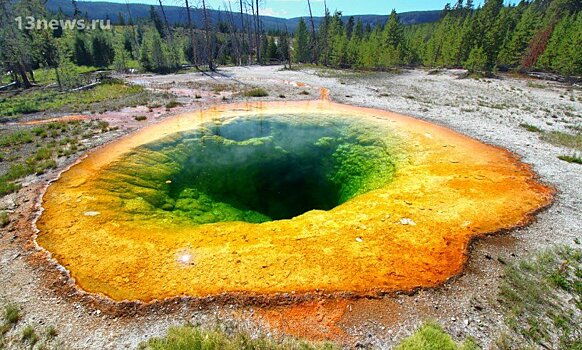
x=563, y=54
x=323, y=49
x=514, y=16
x=301, y=47
x=444, y=45
x=393, y=49
x=272, y=51
x=368, y=54
x=264, y=48
x=524, y=31
x=81, y=52
x=128, y=41
x=49, y=51
x=156, y=55
x=487, y=24
x=283, y=48
x=102, y=49
x=477, y=61
x=469, y=35
x=393, y=31
x=450, y=42
x=157, y=21
x=350, y=27
x=338, y=41
x=122, y=57
x=358, y=30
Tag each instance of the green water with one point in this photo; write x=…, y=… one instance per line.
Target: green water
x=254, y=169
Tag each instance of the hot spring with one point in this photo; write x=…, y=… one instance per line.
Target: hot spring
x=279, y=198
x=253, y=169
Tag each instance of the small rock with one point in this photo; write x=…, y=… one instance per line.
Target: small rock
x=92, y=213
x=359, y=239
x=407, y=221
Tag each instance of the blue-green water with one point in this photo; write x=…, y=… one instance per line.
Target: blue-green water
x=254, y=169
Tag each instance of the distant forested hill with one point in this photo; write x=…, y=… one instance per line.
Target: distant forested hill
x=177, y=14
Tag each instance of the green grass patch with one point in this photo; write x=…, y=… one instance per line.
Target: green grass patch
x=29, y=335
x=558, y=138
x=571, y=159
x=12, y=314
x=16, y=138
x=530, y=128
x=7, y=187
x=52, y=140
x=51, y=332
x=257, y=92
x=173, y=104
x=432, y=337
x=52, y=100
x=194, y=338
x=218, y=88
x=4, y=219
x=542, y=300
x=535, y=85
x=45, y=76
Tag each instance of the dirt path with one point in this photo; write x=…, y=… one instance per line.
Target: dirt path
x=489, y=110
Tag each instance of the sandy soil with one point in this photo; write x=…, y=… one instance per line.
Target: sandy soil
x=490, y=110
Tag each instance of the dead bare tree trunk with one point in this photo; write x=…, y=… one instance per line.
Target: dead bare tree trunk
x=249, y=31
x=313, y=36
x=192, y=38
x=242, y=30
x=22, y=71
x=17, y=59
x=288, y=46
x=58, y=75
x=258, y=19
x=209, y=54
x=253, y=26
x=133, y=33
x=234, y=35
x=166, y=21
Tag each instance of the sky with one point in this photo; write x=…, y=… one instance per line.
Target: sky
x=298, y=8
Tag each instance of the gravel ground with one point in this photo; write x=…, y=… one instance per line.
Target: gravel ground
x=490, y=110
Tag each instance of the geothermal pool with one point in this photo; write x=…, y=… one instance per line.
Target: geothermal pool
x=281, y=198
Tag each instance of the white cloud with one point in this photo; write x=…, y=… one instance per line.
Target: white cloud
x=269, y=11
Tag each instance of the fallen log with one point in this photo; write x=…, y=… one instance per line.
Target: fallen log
x=7, y=86
x=85, y=87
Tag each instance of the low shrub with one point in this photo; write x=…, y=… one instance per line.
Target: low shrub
x=257, y=92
